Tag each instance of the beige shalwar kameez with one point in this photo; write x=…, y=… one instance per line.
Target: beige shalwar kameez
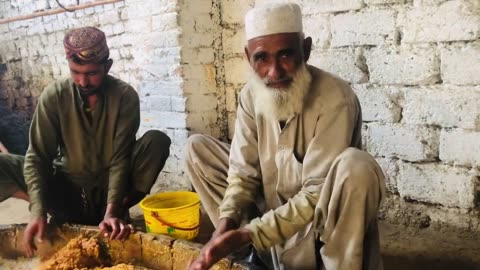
x=311, y=176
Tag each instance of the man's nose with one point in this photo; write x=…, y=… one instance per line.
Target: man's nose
x=83, y=81
x=275, y=71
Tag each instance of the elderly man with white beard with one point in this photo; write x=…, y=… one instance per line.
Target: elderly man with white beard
x=294, y=182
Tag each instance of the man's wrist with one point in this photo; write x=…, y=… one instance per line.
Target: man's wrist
x=112, y=211
x=245, y=236
x=227, y=224
x=224, y=225
x=36, y=212
x=36, y=217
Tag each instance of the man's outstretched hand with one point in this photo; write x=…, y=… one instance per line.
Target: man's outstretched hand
x=114, y=227
x=220, y=246
x=35, y=228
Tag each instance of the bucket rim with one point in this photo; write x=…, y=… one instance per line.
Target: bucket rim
x=144, y=207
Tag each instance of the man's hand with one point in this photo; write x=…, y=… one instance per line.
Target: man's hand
x=35, y=228
x=219, y=247
x=117, y=228
x=224, y=225
x=3, y=149
x=111, y=225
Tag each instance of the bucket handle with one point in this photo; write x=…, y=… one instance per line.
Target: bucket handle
x=155, y=216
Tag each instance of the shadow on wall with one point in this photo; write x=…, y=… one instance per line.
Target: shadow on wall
x=16, y=109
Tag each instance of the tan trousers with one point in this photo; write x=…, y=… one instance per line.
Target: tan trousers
x=345, y=218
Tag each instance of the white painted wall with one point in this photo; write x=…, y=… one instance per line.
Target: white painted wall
x=414, y=65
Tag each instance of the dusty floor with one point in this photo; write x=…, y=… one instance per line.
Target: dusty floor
x=402, y=247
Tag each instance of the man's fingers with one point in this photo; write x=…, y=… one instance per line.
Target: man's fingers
x=115, y=229
x=28, y=244
x=199, y=263
x=132, y=229
x=103, y=228
x=124, y=231
x=29, y=251
x=195, y=266
x=41, y=232
x=209, y=255
x=128, y=230
x=28, y=248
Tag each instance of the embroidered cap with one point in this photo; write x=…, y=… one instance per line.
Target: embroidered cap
x=87, y=44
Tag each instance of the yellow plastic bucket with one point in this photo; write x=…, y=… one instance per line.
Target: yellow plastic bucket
x=175, y=213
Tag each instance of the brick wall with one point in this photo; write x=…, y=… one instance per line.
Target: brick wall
x=144, y=39
x=414, y=66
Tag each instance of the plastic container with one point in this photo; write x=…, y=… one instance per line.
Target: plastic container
x=175, y=213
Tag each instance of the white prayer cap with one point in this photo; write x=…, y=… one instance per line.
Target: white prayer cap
x=273, y=19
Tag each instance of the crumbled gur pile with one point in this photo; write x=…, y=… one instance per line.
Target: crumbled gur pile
x=80, y=253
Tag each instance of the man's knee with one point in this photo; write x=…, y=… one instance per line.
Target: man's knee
x=362, y=169
x=155, y=143
x=8, y=160
x=4, y=160
x=195, y=146
x=156, y=138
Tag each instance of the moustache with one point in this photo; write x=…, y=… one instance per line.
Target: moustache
x=86, y=88
x=285, y=79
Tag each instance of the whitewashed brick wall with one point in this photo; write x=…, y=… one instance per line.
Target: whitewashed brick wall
x=144, y=38
x=414, y=65
x=233, y=13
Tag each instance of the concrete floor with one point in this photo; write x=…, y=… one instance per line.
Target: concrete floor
x=413, y=248
x=402, y=247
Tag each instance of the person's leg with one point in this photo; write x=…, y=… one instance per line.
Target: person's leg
x=149, y=156
x=206, y=165
x=20, y=194
x=346, y=213
x=12, y=183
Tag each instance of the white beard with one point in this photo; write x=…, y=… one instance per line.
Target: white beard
x=279, y=104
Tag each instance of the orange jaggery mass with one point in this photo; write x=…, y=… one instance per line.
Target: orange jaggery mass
x=121, y=266
x=79, y=253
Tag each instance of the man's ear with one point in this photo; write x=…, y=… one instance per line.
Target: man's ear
x=247, y=53
x=108, y=65
x=307, y=48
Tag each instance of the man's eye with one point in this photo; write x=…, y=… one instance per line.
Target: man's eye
x=260, y=57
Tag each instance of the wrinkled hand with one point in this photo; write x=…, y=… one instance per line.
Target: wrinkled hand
x=116, y=228
x=224, y=225
x=35, y=228
x=219, y=247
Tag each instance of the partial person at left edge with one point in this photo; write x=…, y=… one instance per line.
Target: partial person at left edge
x=3, y=149
x=84, y=164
